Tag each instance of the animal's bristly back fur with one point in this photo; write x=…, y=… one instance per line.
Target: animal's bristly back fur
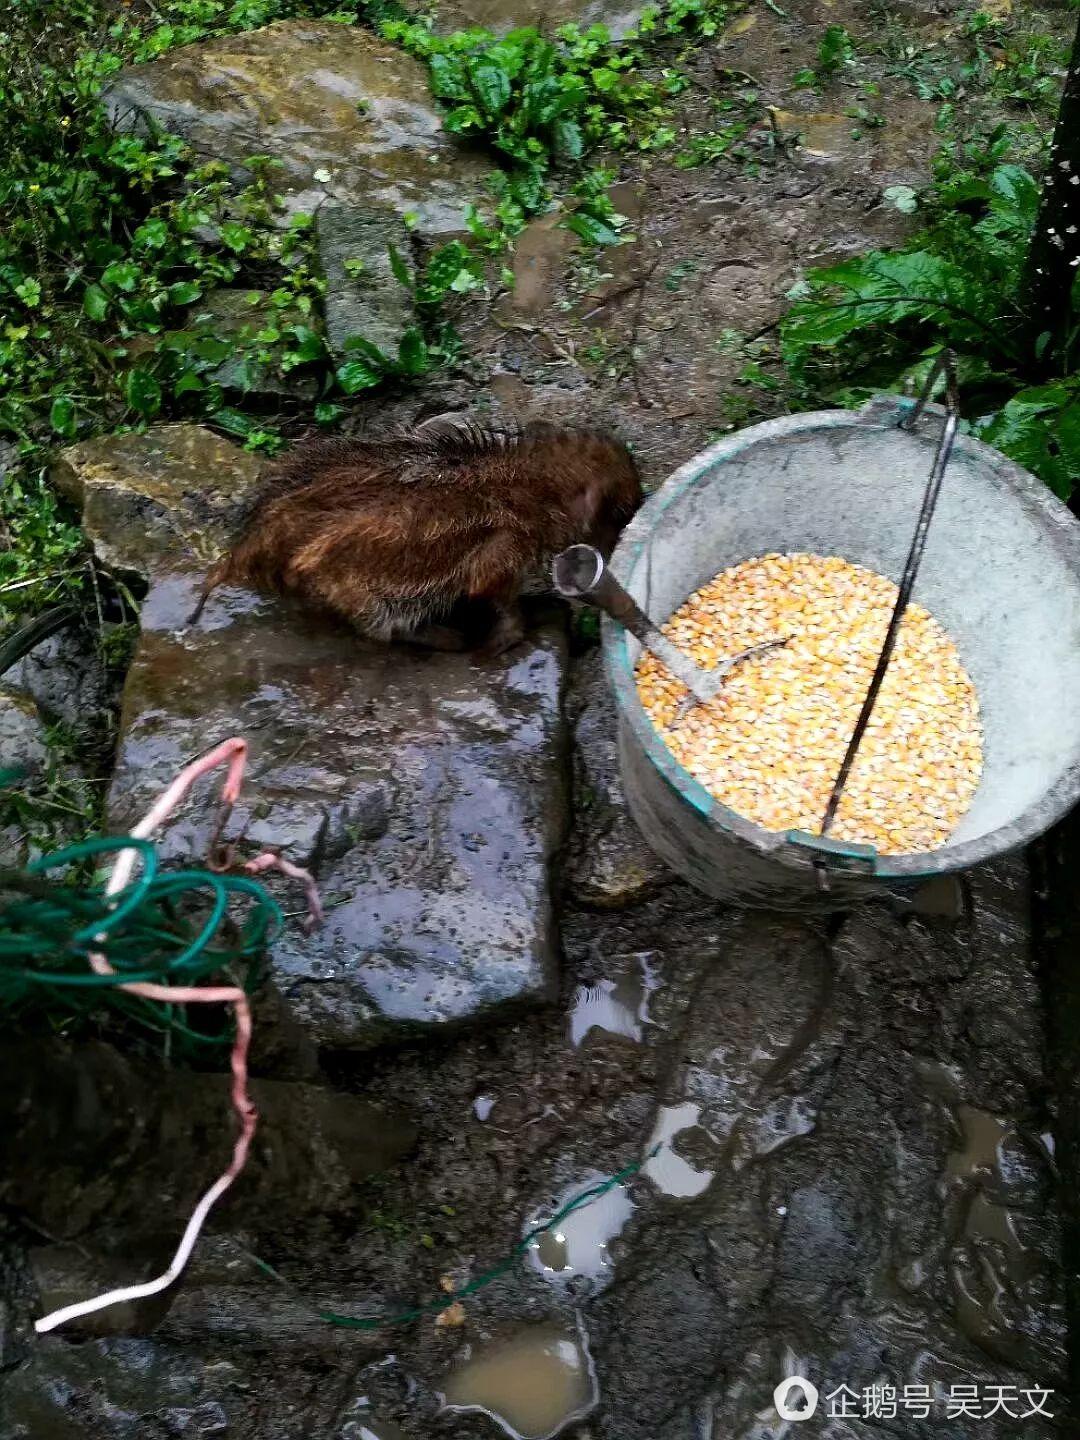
x=391, y=532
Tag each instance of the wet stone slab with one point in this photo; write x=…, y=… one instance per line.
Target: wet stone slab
x=349, y=116
x=425, y=790
x=160, y=498
x=618, y=16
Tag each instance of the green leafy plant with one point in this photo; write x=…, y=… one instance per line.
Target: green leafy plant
x=543, y=103
x=836, y=51
x=959, y=283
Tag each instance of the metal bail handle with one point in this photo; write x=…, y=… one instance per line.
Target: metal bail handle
x=857, y=856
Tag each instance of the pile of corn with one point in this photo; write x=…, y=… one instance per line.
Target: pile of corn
x=772, y=742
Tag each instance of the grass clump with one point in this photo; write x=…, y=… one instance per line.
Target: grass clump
x=958, y=282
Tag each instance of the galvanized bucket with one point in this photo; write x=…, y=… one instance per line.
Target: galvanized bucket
x=1001, y=572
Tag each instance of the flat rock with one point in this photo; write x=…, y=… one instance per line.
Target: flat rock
x=168, y=495
x=66, y=680
x=325, y=99
x=22, y=733
x=425, y=790
x=618, y=15
x=363, y=296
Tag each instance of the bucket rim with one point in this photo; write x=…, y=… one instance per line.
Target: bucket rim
x=880, y=412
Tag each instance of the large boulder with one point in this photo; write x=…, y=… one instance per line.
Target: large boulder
x=618, y=15
x=169, y=495
x=324, y=99
x=425, y=790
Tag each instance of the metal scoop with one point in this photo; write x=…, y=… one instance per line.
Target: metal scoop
x=580, y=573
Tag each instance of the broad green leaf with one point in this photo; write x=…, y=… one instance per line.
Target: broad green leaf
x=184, y=292
x=355, y=375
x=443, y=267
x=462, y=119
x=211, y=349
x=963, y=189
x=1014, y=185
x=95, y=302
x=491, y=85
x=143, y=393
x=1025, y=436
x=28, y=290
x=359, y=345
x=237, y=237
x=902, y=198
x=566, y=135
x=527, y=186
x=123, y=274
x=540, y=101
x=448, y=80
x=152, y=234
x=233, y=421
x=1041, y=397
x=512, y=56
x=413, y=352
x=307, y=344
x=62, y=416
x=591, y=229
x=187, y=381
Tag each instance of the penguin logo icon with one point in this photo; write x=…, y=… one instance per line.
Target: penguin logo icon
x=795, y=1398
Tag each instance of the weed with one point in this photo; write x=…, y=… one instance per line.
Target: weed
x=958, y=283
x=543, y=103
x=835, y=53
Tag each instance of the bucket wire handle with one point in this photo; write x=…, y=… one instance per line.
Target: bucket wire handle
x=944, y=365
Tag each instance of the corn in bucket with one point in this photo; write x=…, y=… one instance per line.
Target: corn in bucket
x=992, y=681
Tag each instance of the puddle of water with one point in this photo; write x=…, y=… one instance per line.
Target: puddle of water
x=987, y=1221
x=621, y=1007
x=982, y=1312
x=579, y=1248
x=981, y=1152
x=532, y=1384
x=483, y=1106
x=668, y=1171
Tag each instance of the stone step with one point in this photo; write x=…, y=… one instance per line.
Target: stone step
x=428, y=792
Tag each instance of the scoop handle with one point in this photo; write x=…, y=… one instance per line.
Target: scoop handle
x=581, y=573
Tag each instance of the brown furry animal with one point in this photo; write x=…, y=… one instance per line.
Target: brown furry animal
x=392, y=532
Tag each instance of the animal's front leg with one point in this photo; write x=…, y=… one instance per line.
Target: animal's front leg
x=507, y=629
x=437, y=637
x=495, y=572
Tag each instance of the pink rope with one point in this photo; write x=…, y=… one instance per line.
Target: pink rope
x=232, y=752
x=268, y=860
